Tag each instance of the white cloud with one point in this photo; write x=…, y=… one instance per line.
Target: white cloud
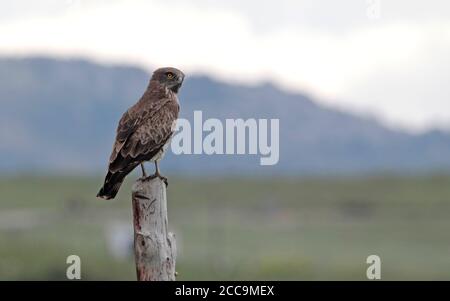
x=394, y=67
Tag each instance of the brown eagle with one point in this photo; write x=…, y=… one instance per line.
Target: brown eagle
x=145, y=130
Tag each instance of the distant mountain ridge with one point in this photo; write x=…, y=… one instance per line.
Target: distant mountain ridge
x=61, y=115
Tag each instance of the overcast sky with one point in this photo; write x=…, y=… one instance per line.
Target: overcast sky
x=385, y=58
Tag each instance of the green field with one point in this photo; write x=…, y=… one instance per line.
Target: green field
x=235, y=228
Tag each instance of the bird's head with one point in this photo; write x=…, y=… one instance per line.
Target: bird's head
x=170, y=77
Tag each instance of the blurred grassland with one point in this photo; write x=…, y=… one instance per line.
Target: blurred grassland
x=236, y=228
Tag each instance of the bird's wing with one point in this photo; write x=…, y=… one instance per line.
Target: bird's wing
x=127, y=125
x=143, y=134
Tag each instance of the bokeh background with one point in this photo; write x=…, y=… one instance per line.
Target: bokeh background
x=360, y=89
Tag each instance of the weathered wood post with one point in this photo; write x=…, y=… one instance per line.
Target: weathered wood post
x=154, y=246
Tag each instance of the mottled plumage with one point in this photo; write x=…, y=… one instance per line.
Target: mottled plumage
x=145, y=129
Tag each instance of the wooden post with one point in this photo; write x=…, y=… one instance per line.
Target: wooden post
x=154, y=246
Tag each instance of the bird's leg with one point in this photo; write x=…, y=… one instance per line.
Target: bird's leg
x=157, y=169
x=159, y=175
x=144, y=174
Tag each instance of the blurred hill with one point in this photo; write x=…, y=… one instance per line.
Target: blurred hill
x=60, y=115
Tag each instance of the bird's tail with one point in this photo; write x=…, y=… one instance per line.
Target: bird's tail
x=113, y=181
x=111, y=185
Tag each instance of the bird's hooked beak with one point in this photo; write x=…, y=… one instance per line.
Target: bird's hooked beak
x=181, y=79
x=178, y=85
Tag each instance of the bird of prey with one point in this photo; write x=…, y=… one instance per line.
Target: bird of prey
x=145, y=130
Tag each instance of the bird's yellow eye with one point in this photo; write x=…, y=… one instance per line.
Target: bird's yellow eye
x=169, y=75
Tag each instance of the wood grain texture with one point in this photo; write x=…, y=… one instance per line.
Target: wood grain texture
x=154, y=245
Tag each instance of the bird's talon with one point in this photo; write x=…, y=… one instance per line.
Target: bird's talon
x=164, y=180
x=149, y=178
